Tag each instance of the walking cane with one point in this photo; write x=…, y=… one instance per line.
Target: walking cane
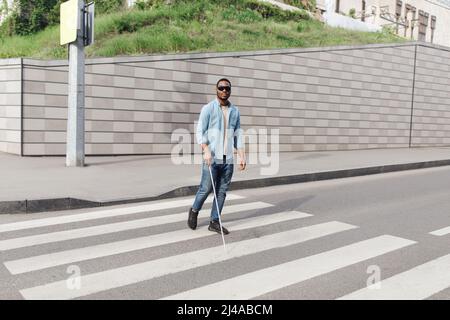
x=217, y=206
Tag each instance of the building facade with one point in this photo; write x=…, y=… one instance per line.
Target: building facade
x=422, y=20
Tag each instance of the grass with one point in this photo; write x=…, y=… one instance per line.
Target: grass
x=194, y=26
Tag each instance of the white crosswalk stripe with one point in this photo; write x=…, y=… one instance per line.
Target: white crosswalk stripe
x=257, y=283
x=122, y=211
x=22, y=242
x=441, y=232
x=415, y=284
x=419, y=282
x=144, y=271
x=69, y=256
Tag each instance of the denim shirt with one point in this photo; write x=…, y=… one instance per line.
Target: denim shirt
x=210, y=129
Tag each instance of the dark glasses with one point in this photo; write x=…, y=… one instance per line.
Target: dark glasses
x=222, y=88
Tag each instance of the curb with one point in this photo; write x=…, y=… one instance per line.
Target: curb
x=32, y=206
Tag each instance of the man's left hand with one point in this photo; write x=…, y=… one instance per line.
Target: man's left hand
x=242, y=164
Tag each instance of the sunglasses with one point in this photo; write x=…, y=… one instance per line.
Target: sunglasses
x=222, y=88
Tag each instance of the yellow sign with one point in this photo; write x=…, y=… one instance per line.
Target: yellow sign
x=70, y=16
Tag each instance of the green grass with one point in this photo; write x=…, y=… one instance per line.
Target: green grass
x=194, y=26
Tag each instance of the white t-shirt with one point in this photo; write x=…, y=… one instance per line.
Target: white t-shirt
x=225, y=132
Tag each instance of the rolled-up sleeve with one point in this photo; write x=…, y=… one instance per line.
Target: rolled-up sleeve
x=202, y=126
x=238, y=136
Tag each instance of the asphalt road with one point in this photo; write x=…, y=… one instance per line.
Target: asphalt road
x=385, y=236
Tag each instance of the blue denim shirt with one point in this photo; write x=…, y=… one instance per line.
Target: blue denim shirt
x=210, y=129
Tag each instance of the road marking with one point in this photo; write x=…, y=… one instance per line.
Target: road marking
x=36, y=223
x=115, y=278
x=441, y=232
x=415, y=284
x=257, y=283
x=27, y=241
x=108, y=249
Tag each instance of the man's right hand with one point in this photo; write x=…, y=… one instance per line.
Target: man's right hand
x=207, y=157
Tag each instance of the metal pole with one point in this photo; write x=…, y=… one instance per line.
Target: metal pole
x=76, y=96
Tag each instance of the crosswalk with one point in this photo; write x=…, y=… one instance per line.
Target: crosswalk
x=441, y=232
x=59, y=258
x=110, y=228
x=415, y=284
x=266, y=230
x=259, y=282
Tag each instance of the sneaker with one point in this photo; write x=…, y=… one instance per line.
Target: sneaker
x=192, y=219
x=215, y=226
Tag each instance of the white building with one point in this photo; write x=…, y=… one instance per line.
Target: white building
x=424, y=20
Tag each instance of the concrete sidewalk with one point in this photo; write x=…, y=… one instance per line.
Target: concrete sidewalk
x=33, y=184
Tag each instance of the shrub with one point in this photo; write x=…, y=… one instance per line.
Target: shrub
x=248, y=15
x=54, y=14
x=4, y=7
x=244, y=16
x=147, y=4
x=352, y=13
x=29, y=16
x=7, y=27
x=101, y=7
x=267, y=10
x=309, y=5
x=308, y=26
x=127, y=24
x=108, y=6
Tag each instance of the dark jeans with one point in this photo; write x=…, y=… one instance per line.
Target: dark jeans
x=222, y=174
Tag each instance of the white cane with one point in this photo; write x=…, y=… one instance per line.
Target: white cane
x=217, y=206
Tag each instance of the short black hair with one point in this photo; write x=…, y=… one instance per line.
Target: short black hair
x=223, y=79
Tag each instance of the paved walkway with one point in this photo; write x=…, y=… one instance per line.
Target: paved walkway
x=107, y=180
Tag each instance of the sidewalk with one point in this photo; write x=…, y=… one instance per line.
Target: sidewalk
x=33, y=184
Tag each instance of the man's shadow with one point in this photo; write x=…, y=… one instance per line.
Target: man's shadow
x=287, y=205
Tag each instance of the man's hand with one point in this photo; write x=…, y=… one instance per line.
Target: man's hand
x=207, y=156
x=242, y=160
x=242, y=164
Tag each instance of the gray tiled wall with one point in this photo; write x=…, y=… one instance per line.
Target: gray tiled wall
x=320, y=99
x=431, y=113
x=10, y=106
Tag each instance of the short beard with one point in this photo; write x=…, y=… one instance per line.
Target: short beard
x=224, y=100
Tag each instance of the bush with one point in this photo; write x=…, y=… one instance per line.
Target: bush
x=108, y=6
x=127, y=24
x=267, y=11
x=29, y=16
x=309, y=5
x=38, y=20
x=388, y=30
x=303, y=27
x=101, y=6
x=352, y=13
x=244, y=16
x=54, y=14
x=308, y=26
x=132, y=21
x=7, y=27
x=147, y=4
x=4, y=7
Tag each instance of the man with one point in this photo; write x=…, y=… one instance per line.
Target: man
x=218, y=131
